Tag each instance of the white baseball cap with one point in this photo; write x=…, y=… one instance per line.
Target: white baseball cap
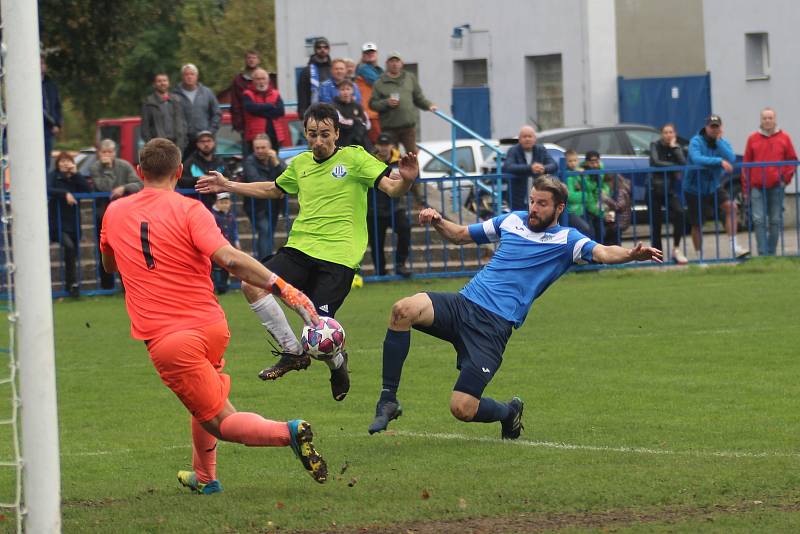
x=367, y=47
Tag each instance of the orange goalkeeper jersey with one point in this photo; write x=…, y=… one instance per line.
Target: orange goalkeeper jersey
x=162, y=243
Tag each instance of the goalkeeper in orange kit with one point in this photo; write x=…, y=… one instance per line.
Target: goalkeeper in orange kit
x=162, y=244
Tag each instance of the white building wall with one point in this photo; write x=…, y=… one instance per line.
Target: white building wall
x=582, y=31
x=737, y=100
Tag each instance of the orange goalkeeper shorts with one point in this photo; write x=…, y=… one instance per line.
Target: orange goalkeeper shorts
x=190, y=363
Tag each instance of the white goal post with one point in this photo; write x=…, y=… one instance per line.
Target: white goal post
x=41, y=480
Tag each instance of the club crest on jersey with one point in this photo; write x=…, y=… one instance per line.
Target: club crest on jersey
x=340, y=171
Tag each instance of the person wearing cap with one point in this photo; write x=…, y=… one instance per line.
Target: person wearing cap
x=203, y=160
x=317, y=71
x=385, y=212
x=764, y=186
x=200, y=106
x=368, y=68
x=226, y=222
x=703, y=189
x=394, y=96
x=367, y=73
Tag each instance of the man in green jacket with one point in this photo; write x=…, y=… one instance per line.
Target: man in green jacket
x=394, y=96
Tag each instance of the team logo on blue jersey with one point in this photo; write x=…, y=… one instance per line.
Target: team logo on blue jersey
x=340, y=171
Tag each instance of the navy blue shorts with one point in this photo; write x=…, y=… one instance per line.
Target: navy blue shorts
x=478, y=335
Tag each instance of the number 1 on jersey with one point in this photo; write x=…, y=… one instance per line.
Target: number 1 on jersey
x=148, y=256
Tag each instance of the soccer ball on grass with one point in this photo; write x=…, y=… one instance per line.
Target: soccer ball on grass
x=323, y=341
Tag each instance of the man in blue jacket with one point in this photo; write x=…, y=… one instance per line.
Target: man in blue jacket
x=524, y=161
x=702, y=188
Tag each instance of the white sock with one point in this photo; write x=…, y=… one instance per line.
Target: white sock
x=273, y=319
x=335, y=362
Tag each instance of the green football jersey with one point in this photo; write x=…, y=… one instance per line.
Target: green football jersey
x=332, y=223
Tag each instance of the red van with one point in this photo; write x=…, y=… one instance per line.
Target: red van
x=126, y=132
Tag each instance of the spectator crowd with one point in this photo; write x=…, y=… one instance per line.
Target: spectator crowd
x=377, y=109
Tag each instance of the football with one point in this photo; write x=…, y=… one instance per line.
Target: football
x=323, y=341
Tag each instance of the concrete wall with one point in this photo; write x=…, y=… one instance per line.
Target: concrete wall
x=582, y=31
x=660, y=38
x=737, y=100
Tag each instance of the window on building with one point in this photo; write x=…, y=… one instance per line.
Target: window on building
x=756, y=49
x=544, y=87
x=470, y=73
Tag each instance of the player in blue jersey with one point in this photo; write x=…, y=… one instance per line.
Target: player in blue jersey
x=534, y=252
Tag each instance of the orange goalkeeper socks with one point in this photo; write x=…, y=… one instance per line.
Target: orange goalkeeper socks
x=254, y=431
x=204, y=453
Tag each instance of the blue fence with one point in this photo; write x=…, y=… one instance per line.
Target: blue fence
x=399, y=246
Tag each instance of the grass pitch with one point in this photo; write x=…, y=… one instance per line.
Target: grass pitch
x=656, y=401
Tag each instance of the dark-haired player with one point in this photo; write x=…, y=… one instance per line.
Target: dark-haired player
x=327, y=240
x=534, y=252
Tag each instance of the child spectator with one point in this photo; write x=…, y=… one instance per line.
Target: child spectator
x=226, y=221
x=353, y=122
x=579, y=198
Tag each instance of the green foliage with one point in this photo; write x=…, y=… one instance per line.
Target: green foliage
x=679, y=390
x=215, y=38
x=84, y=41
x=103, y=53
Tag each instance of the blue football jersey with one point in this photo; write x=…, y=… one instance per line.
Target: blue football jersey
x=524, y=265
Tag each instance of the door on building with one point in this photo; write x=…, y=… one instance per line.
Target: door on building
x=684, y=101
x=471, y=97
x=544, y=90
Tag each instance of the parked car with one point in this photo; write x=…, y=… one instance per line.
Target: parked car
x=435, y=157
x=622, y=147
x=126, y=132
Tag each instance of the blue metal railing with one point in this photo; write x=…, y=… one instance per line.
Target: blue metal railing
x=455, y=126
x=427, y=255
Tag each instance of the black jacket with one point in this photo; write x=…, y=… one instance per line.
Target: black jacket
x=662, y=155
x=61, y=215
x=516, y=165
x=196, y=166
x=352, y=125
x=304, y=82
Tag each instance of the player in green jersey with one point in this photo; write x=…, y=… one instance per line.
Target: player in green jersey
x=327, y=240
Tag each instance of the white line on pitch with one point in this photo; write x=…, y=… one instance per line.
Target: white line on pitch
x=519, y=442
x=599, y=448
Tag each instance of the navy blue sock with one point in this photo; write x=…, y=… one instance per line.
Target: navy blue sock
x=395, y=350
x=490, y=410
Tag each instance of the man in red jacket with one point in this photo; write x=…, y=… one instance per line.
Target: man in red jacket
x=262, y=106
x=763, y=186
x=242, y=82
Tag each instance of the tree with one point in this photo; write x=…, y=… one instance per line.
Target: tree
x=216, y=35
x=84, y=41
